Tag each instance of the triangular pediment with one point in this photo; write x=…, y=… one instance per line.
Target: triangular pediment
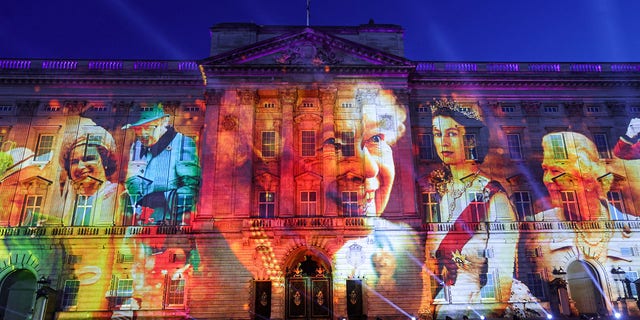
x=309, y=47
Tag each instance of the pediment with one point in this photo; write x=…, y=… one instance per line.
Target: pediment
x=309, y=47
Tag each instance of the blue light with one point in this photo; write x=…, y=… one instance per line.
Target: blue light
x=549, y=316
x=617, y=315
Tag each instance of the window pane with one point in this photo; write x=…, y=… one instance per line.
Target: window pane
x=348, y=144
x=70, y=293
x=600, y=139
x=308, y=143
x=269, y=144
x=44, y=148
x=513, y=142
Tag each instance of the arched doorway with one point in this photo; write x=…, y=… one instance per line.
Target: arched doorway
x=308, y=288
x=17, y=295
x=585, y=288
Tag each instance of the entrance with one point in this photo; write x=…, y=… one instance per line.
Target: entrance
x=17, y=295
x=308, y=289
x=585, y=288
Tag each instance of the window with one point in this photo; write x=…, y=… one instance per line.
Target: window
x=175, y=292
x=184, y=204
x=350, y=204
x=615, y=198
x=477, y=206
x=32, y=211
x=44, y=148
x=508, y=109
x=513, y=143
x=522, y=203
x=308, y=203
x=124, y=291
x=632, y=276
x=70, y=293
x=600, y=139
x=145, y=109
x=558, y=146
x=267, y=204
x=188, y=148
x=488, y=291
x=551, y=109
x=437, y=285
x=535, y=284
x=634, y=109
x=593, y=109
x=52, y=108
x=425, y=147
x=347, y=105
x=192, y=108
x=423, y=108
x=470, y=147
x=308, y=147
x=269, y=144
x=570, y=205
x=269, y=105
x=82, y=214
x=430, y=207
x=348, y=147
x=307, y=105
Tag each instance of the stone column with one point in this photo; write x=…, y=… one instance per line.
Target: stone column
x=329, y=165
x=288, y=98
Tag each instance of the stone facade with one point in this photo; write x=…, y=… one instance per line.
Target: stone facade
x=318, y=194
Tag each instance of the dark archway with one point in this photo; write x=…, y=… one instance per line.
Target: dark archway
x=17, y=295
x=585, y=288
x=308, y=288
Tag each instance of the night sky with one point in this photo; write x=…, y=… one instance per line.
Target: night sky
x=438, y=30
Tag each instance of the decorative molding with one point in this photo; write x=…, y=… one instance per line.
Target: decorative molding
x=229, y=123
x=247, y=96
x=288, y=96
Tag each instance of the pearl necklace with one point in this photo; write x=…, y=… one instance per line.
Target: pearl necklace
x=456, y=194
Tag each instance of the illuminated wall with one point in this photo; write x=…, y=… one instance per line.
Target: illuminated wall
x=311, y=176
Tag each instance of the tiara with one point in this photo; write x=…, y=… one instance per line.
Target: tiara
x=454, y=106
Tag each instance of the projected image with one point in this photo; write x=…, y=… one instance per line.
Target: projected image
x=471, y=262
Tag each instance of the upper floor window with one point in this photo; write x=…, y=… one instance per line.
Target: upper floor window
x=634, y=109
x=175, y=292
x=430, y=207
x=348, y=146
x=477, y=205
x=308, y=147
x=508, y=109
x=570, y=205
x=425, y=147
x=52, y=108
x=123, y=293
x=515, y=149
x=551, y=109
x=600, y=140
x=615, y=198
x=32, y=211
x=269, y=144
x=267, y=204
x=558, y=146
x=308, y=203
x=350, y=207
x=535, y=284
x=488, y=291
x=44, y=148
x=593, y=109
x=70, y=294
x=82, y=213
x=522, y=203
x=423, y=108
x=632, y=276
x=347, y=105
x=470, y=149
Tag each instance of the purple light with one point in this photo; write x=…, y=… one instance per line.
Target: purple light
x=503, y=67
x=15, y=64
x=150, y=65
x=544, y=67
x=585, y=67
x=60, y=64
x=461, y=67
x=187, y=65
x=105, y=65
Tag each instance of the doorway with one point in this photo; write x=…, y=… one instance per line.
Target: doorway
x=308, y=289
x=17, y=295
x=585, y=288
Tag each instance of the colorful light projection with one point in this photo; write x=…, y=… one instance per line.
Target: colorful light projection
x=132, y=173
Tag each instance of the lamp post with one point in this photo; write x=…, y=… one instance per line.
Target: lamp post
x=618, y=274
x=42, y=297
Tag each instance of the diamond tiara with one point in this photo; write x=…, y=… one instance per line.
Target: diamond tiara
x=450, y=104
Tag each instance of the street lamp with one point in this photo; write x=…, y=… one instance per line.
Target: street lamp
x=619, y=276
x=42, y=284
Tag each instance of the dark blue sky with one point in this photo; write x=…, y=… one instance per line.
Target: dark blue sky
x=438, y=30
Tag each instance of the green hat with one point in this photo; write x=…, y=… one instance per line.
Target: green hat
x=155, y=113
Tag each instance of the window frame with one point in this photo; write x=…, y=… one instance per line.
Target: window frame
x=70, y=294
x=515, y=149
x=430, y=207
x=425, y=146
x=308, y=143
x=348, y=143
x=570, y=207
x=347, y=207
x=311, y=206
x=266, y=204
x=523, y=207
x=268, y=144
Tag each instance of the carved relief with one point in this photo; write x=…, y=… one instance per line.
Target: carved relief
x=307, y=53
x=170, y=107
x=229, y=123
x=247, y=96
x=367, y=96
x=75, y=107
x=123, y=107
x=213, y=97
x=27, y=108
x=327, y=96
x=288, y=96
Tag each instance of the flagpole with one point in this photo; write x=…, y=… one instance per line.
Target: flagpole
x=308, y=11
